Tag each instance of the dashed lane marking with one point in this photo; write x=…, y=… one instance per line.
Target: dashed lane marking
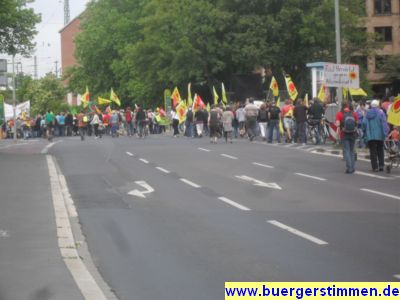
x=310, y=176
x=262, y=165
x=298, y=232
x=203, y=149
x=143, y=160
x=371, y=175
x=397, y=276
x=130, y=154
x=163, y=170
x=235, y=204
x=228, y=156
x=381, y=194
x=190, y=183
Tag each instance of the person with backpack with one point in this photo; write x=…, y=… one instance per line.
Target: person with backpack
x=274, y=116
x=82, y=124
x=262, y=120
x=375, y=130
x=227, y=119
x=214, y=118
x=346, y=123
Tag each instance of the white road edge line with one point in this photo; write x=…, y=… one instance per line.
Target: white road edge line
x=381, y=194
x=190, y=183
x=66, y=242
x=143, y=160
x=397, y=276
x=310, y=176
x=262, y=165
x=229, y=156
x=163, y=170
x=298, y=232
x=371, y=175
x=203, y=149
x=130, y=154
x=235, y=204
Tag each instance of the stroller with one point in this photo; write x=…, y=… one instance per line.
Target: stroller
x=393, y=152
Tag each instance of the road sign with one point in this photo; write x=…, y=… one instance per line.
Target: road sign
x=340, y=75
x=141, y=194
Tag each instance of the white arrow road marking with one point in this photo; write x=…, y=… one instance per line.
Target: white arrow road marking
x=262, y=165
x=141, y=194
x=312, y=177
x=381, y=194
x=130, y=154
x=233, y=203
x=4, y=234
x=271, y=185
x=298, y=232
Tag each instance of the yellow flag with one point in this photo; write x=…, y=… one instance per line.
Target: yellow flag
x=322, y=93
x=85, y=98
x=176, y=97
x=306, y=100
x=274, y=87
x=208, y=107
x=224, y=99
x=102, y=101
x=216, y=97
x=394, y=112
x=189, y=94
x=291, y=88
x=114, y=98
x=181, y=111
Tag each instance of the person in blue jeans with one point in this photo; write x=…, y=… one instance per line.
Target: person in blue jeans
x=347, y=137
x=274, y=116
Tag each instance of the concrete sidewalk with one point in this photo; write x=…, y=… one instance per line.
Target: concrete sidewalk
x=31, y=266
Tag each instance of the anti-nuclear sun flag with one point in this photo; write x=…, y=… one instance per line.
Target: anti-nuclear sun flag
x=181, y=111
x=394, y=112
x=291, y=88
x=274, y=87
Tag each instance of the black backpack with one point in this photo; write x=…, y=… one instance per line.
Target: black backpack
x=213, y=117
x=349, y=124
x=274, y=111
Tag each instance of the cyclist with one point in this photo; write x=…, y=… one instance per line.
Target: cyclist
x=315, y=115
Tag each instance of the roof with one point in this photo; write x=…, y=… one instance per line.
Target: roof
x=72, y=21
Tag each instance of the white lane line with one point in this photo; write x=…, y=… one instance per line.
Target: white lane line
x=4, y=234
x=163, y=170
x=130, y=154
x=310, y=176
x=262, y=165
x=228, y=156
x=45, y=150
x=143, y=160
x=190, y=183
x=397, y=276
x=203, y=149
x=371, y=175
x=381, y=194
x=298, y=232
x=235, y=204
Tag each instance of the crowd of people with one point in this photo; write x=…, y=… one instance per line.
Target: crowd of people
x=362, y=122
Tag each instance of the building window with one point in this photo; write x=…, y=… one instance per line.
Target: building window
x=383, y=7
x=385, y=33
x=380, y=61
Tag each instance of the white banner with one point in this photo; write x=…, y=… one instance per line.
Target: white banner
x=345, y=76
x=22, y=107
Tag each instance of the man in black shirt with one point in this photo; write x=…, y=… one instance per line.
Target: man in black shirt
x=300, y=115
x=315, y=114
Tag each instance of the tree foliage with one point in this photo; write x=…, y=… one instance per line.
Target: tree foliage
x=17, y=27
x=141, y=47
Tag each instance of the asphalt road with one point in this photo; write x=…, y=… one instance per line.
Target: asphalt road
x=227, y=212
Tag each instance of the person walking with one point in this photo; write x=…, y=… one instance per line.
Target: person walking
x=214, y=118
x=175, y=122
x=262, y=120
x=346, y=124
x=251, y=119
x=189, y=123
x=227, y=120
x=198, y=116
x=95, y=122
x=241, y=118
x=82, y=124
x=375, y=130
x=274, y=116
x=288, y=123
x=315, y=115
x=300, y=115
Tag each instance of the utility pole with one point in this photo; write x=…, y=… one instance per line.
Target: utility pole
x=35, y=68
x=338, y=48
x=66, y=12
x=14, y=99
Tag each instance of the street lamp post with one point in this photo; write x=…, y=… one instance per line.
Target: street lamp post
x=14, y=99
x=338, y=47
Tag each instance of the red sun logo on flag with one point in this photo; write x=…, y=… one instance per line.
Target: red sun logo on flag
x=292, y=88
x=275, y=85
x=396, y=106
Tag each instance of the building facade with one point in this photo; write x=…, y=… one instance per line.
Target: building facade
x=383, y=17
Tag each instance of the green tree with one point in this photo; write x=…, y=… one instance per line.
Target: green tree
x=17, y=27
x=45, y=94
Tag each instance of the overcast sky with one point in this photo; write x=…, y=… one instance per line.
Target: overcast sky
x=48, y=48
